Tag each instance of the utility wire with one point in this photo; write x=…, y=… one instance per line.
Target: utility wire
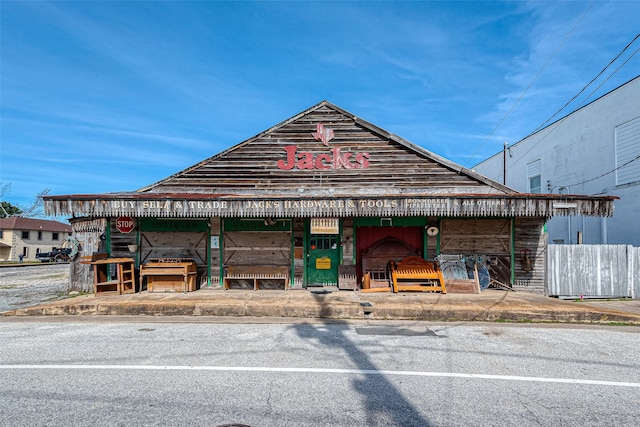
x=583, y=103
x=557, y=124
x=604, y=174
x=585, y=87
x=532, y=82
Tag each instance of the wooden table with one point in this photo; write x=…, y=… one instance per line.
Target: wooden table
x=104, y=281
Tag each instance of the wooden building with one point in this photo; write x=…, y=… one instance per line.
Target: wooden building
x=322, y=199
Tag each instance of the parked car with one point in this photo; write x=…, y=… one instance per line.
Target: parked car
x=56, y=255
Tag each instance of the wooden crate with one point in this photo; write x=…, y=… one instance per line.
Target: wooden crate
x=121, y=282
x=347, y=277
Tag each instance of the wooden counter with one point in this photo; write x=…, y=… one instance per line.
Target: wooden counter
x=168, y=276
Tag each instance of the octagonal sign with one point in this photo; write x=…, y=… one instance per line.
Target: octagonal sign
x=125, y=224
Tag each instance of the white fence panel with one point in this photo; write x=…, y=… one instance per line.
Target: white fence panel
x=634, y=273
x=593, y=271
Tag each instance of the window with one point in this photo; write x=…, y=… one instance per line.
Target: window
x=54, y=236
x=25, y=235
x=534, y=181
x=1, y=234
x=534, y=184
x=39, y=235
x=628, y=152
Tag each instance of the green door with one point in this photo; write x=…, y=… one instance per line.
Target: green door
x=323, y=258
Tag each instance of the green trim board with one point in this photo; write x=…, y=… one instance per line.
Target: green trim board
x=425, y=246
x=256, y=224
x=377, y=221
x=220, y=254
x=292, y=267
x=107, y=240
x=173, y=224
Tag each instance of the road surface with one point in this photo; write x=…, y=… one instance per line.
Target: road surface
x=187, y=372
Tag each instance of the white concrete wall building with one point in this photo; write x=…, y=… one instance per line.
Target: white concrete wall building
x=594, y=150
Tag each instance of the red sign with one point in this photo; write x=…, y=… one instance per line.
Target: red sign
x=336, y=159
x=323, y=134
x=125, y=224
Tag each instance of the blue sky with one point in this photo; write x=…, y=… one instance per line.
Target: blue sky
x=105, y=96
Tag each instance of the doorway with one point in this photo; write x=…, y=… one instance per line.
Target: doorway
x=323, y=258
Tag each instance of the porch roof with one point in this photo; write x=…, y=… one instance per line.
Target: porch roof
x=197, y=205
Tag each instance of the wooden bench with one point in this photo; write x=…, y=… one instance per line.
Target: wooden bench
x=376, y=260
x=166, y=276
x=417, y=274
x=257, y=277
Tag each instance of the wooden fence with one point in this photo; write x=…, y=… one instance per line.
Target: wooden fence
x=602, y=271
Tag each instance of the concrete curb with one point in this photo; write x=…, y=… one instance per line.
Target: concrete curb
x=437, y=308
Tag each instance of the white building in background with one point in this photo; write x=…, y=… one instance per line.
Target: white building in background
x=594, y=150
x=27, y=237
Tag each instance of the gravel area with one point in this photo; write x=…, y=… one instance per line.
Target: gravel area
x=25, y=286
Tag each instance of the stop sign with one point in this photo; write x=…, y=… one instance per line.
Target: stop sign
x=125, y=224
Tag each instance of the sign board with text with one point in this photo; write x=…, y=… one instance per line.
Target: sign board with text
x=125, y=224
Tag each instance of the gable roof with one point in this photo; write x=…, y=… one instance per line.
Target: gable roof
x=358, y=158
x=325, y=162
x=27, y=224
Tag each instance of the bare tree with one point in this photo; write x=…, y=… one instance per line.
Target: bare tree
x=6, y=208
x=36, y=209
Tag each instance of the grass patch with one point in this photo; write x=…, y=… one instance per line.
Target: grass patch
x=78, y=294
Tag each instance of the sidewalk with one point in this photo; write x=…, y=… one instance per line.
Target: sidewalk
x=490, y=305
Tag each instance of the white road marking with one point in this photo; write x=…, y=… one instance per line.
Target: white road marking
x=326, y=371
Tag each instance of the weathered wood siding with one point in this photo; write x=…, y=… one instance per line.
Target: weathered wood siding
x=252, y=248
x=593, y=271
x=251, y=167
x=120, y=242
x=531, y=242
x=88, y=233
x=485, y=240
x=475, y=236
x=176, y=245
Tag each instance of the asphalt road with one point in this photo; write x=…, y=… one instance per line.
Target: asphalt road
x=139, y=372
